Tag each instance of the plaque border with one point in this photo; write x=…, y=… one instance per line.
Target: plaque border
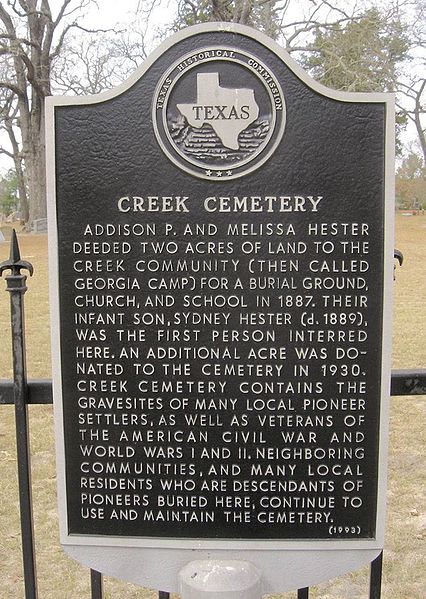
x=152, y=553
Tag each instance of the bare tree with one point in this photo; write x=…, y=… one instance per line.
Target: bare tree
x=8, y=123
x=32, y=38
x=289, y=21
x=415, y=94
x=412, y=83
x=92, y=64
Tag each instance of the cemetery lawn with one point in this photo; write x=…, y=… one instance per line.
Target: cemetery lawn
x=61, y=578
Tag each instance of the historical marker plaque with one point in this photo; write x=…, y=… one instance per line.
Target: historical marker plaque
x=222, y=258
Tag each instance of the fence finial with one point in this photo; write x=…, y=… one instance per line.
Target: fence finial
x=398, y=256
x=15, y=264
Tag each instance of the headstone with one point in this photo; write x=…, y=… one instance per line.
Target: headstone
x=40, y=225
x=221, y=265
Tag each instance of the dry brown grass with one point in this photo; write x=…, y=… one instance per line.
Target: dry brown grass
x=61, y=578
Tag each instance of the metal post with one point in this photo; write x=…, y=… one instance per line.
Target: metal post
x=220, y=579
x=376, y=577
x=17, y=288
x=96, y=584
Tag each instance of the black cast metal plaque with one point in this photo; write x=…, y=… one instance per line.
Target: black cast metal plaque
x=220, y=256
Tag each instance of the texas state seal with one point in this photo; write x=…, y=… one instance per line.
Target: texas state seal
x=218, y=113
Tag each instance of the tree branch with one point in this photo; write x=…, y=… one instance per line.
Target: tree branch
x=82, y=5
x=6, y=152
x=75, y=25
x=61, y=13
x=78, y=26
x=19, y=40
x=12, y=4
x=14, y=88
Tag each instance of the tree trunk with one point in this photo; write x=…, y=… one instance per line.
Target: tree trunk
x=20, y=176
x=418, y=123
x=35, y=160
x=37, y=180
x=22, y=190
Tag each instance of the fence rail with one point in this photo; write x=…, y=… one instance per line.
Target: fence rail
x=403, y=382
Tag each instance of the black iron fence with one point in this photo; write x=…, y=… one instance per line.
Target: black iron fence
x=22, y=393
